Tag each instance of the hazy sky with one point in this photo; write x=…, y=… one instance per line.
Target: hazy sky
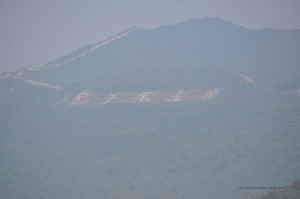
x=33, y=32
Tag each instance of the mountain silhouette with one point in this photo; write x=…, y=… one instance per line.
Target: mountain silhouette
x=199, y=109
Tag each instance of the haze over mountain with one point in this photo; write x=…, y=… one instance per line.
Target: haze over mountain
x=34, y=32
x=192, y=110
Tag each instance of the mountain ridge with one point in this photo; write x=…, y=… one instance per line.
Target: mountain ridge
x=206, y=46
x=194, y=110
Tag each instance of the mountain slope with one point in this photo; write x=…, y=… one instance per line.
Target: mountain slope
x=269, y=56
x=192, y=110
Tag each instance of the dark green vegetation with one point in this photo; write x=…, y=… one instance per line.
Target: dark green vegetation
x=292, y=192
x=247, y=136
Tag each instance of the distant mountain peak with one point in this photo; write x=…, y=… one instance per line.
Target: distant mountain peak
x=175, y=56
x=205, y=21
